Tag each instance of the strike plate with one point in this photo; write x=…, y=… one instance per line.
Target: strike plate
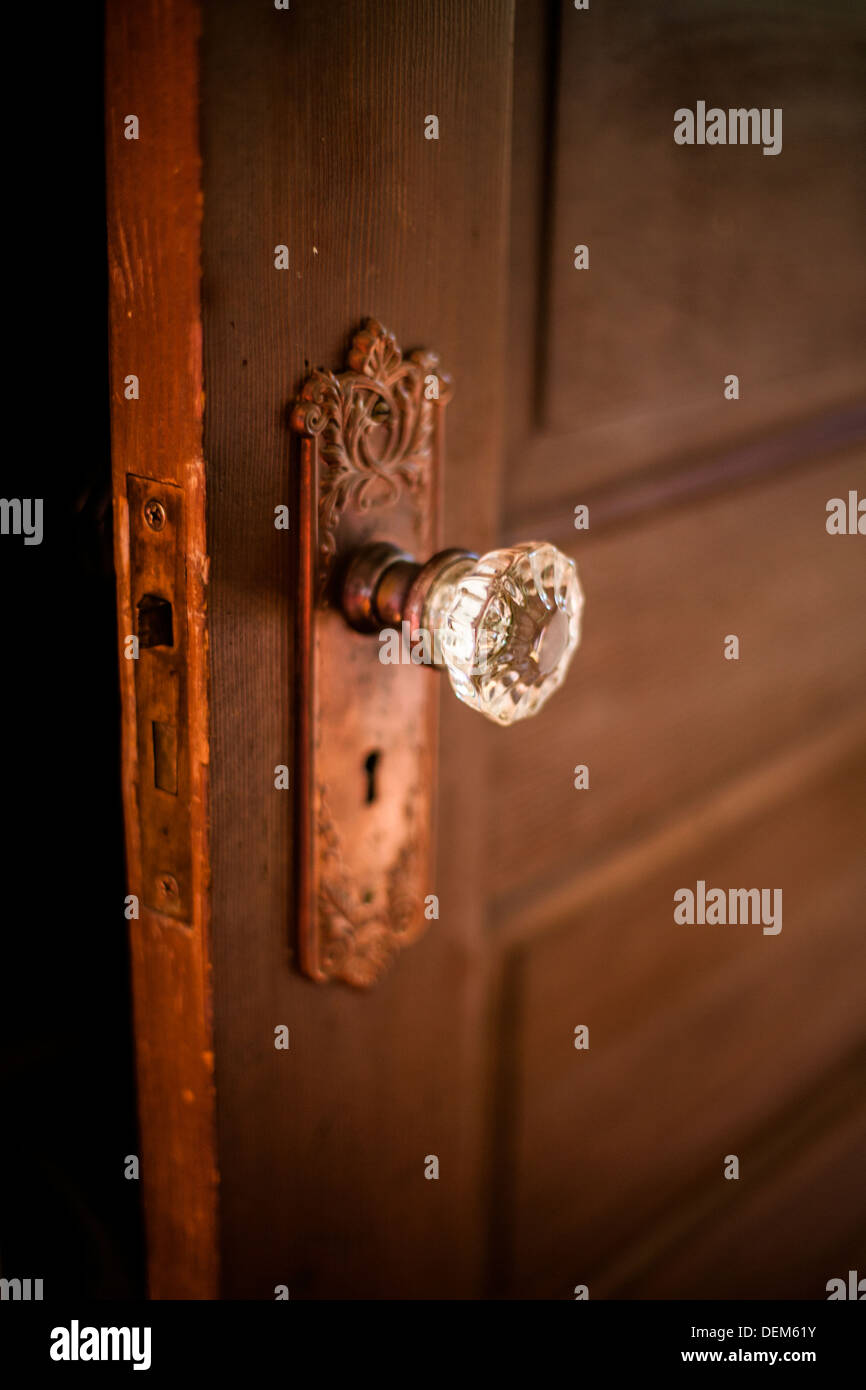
x=157, y=575
x=370, y=469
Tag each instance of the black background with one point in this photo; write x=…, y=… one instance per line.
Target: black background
x=67, y=1214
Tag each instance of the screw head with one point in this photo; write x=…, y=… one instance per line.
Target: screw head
x=168, y=886
x=154, y=514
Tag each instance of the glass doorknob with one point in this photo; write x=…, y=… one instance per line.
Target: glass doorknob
x=505, y=626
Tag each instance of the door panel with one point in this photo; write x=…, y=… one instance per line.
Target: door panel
x=725, y=245
x=652, y=707
x=707, y=518
x=702, y=1042
x=803, y=1214
x=702, y=260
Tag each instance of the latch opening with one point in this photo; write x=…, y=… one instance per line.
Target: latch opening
x=155, y=625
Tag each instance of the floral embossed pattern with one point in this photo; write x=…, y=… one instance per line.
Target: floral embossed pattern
x=373, y=425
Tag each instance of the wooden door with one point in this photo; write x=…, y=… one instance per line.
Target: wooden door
x=599, y=387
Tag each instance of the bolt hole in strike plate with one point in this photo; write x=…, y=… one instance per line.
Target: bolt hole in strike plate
x=369, y=469
x=155, y=624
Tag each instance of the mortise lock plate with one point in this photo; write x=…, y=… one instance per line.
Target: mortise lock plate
x=157, y=567
x=504, y=627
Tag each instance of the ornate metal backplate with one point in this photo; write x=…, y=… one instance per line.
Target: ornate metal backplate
x=371, y=451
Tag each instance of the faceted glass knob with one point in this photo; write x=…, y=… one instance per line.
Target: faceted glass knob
x=507, y=626
x=504, y=626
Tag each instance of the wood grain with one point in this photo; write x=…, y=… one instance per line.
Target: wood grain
x=650, y=705
x=701, y=1039
x=313, y=125
x=704, y=261
x=799, y=1221
x=154, y=214
x=555, y=906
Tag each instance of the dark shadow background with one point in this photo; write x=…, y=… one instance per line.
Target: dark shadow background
x=67, y=1214
x=67, y=1098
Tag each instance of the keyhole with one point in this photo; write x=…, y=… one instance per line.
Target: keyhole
x=371, y=763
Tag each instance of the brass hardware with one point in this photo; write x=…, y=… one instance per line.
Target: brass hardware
x=370, y=458
x=384, y=587
x=157, y=572
x=154, y=514
x=504, y=625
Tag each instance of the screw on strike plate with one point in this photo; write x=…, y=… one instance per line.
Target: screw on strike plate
x=154, y=514
x=168, y=887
